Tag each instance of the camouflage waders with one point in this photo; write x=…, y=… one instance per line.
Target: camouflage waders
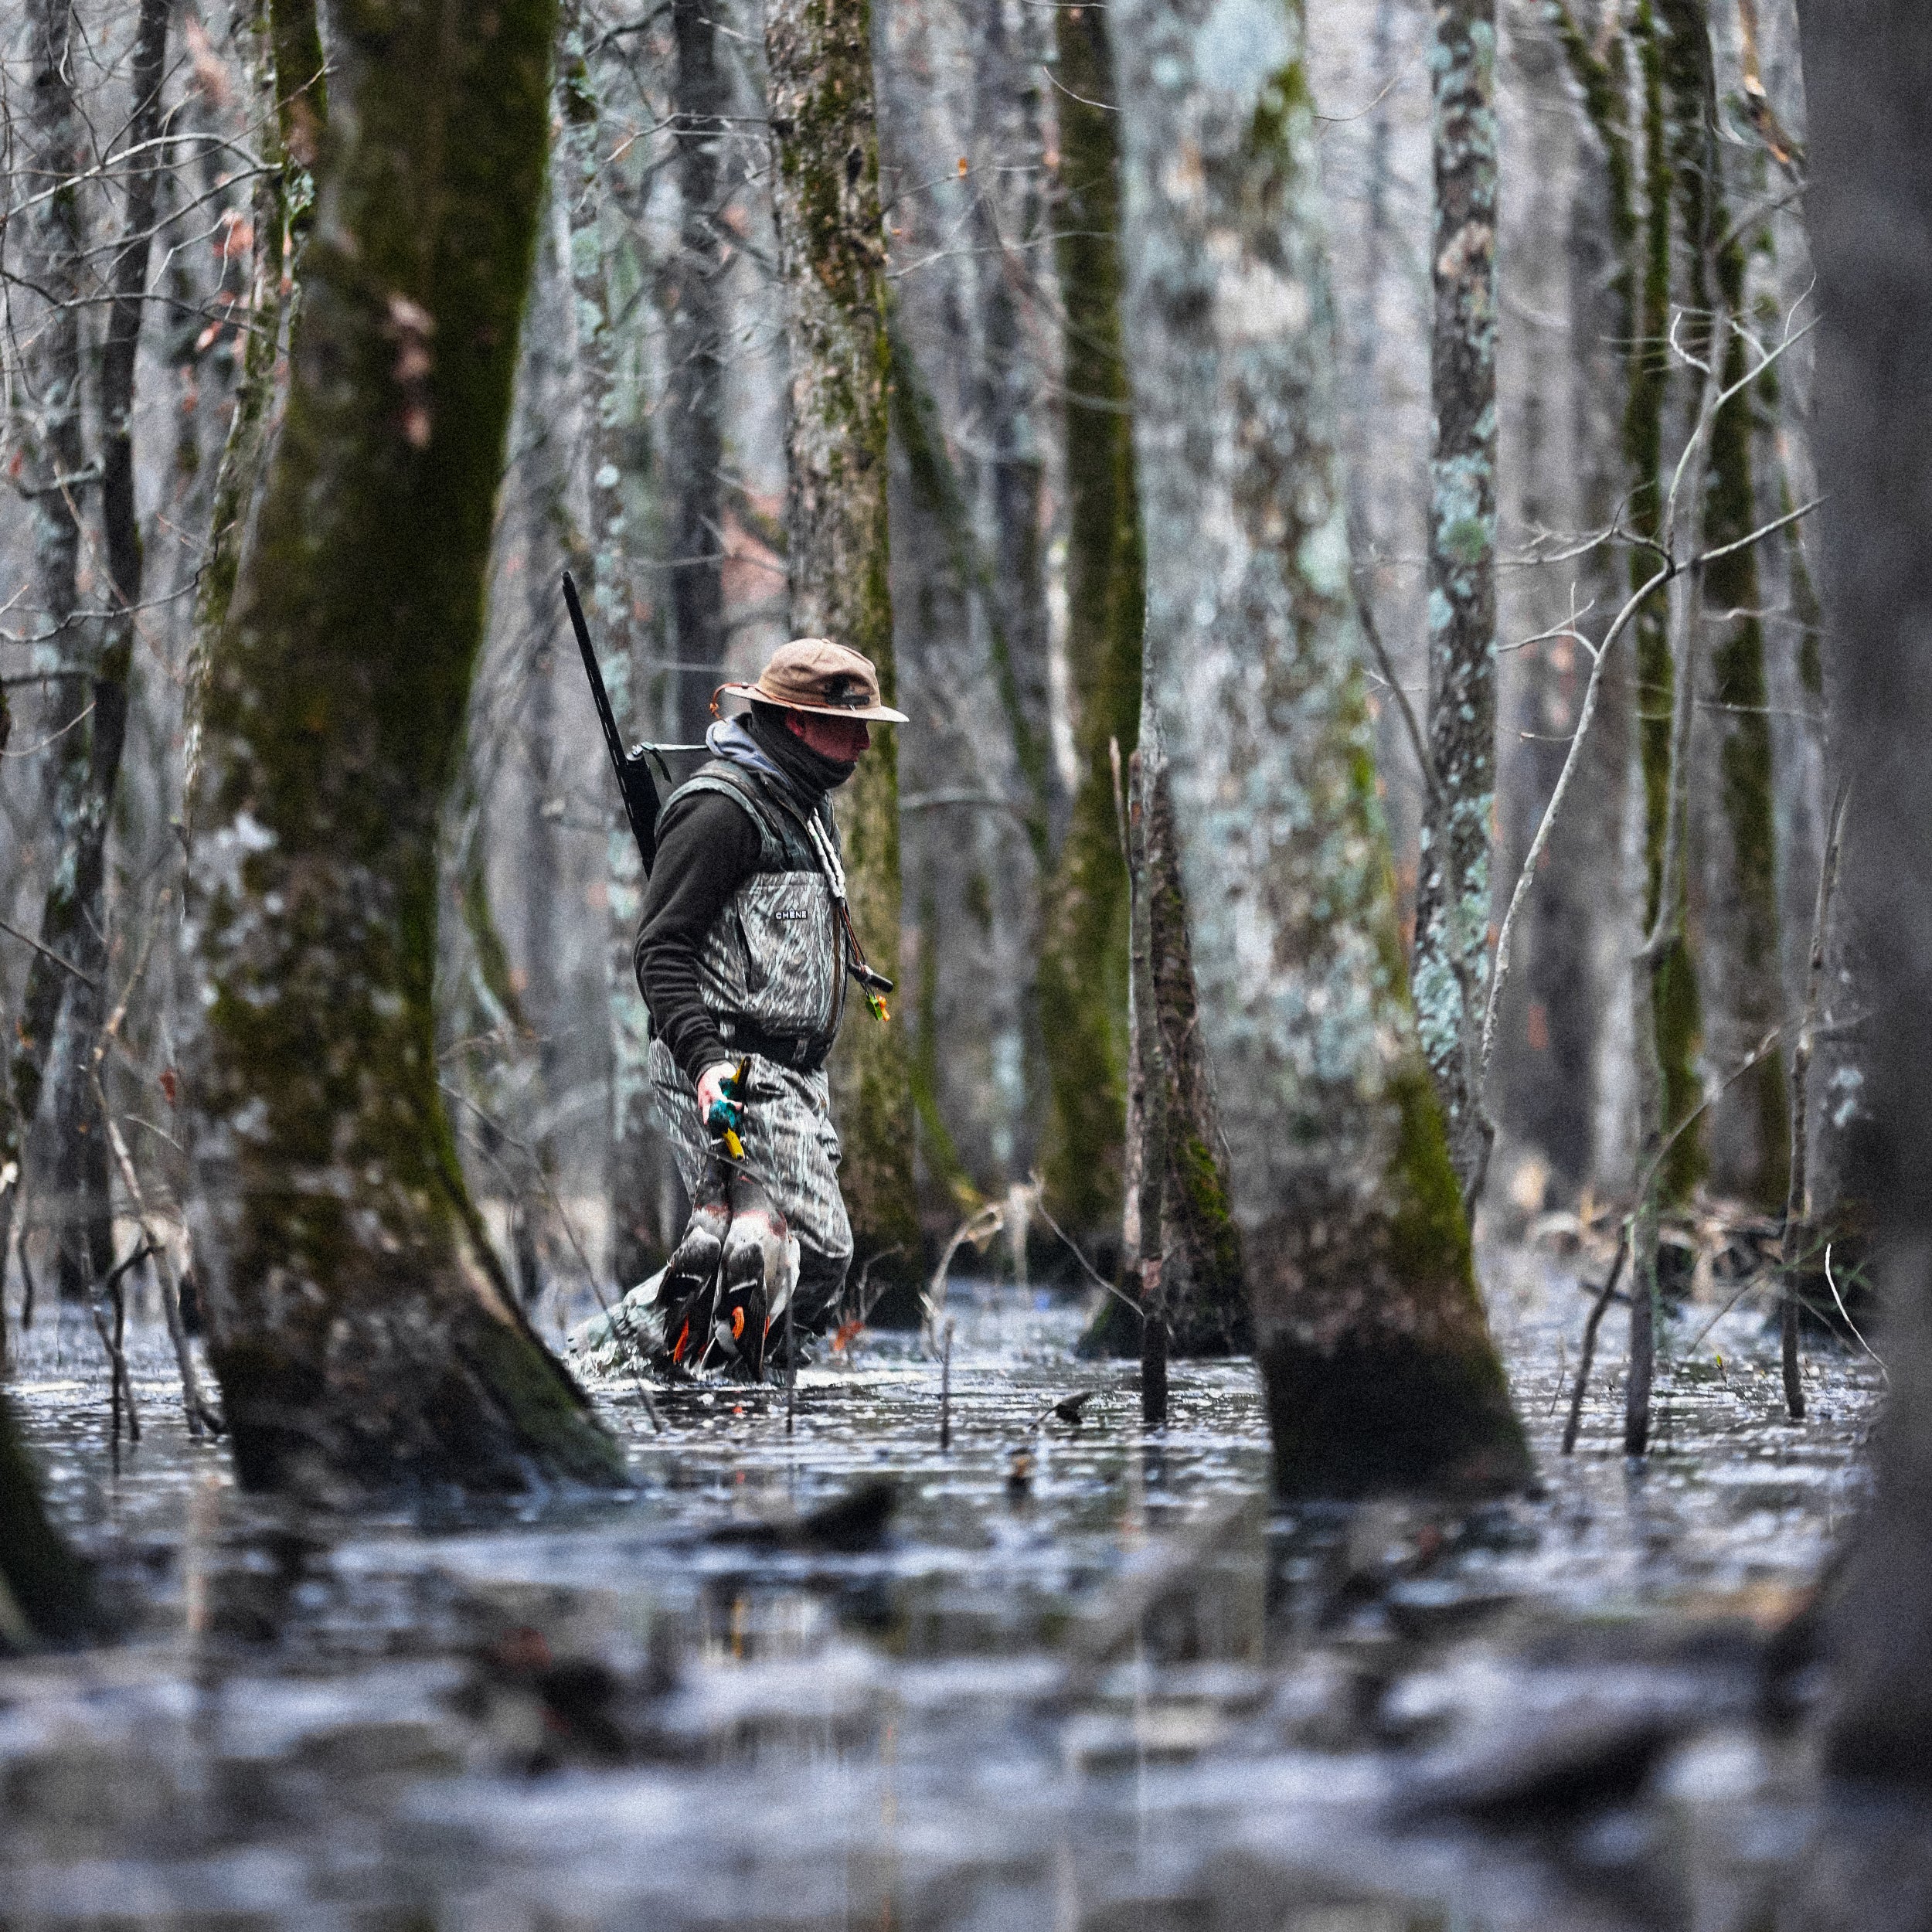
x=772, y=969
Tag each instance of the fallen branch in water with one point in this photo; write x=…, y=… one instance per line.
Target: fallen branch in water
x=1604, y=1297
x=979, y=1228
x=1093, y=1274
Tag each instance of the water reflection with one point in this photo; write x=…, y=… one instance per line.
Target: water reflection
x=1058, y=1675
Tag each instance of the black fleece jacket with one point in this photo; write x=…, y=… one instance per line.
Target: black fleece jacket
x=707, y=848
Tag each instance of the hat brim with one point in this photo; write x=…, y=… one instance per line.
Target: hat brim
x=870, y=713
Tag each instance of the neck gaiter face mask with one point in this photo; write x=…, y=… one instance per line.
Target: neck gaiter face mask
x=812, y=771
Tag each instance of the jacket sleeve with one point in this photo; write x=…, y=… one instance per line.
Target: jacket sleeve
x=707, y=847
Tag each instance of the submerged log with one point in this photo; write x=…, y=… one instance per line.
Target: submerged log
x=362, y=1330
x=1379, y=1368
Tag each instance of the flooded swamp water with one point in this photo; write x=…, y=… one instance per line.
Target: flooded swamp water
x=1061, y=1675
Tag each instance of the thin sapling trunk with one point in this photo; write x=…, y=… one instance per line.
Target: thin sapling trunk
x=1799, y=1217
x=1151, y=1115
x=1453, y=884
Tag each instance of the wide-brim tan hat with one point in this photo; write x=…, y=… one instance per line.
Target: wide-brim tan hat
x=814, y=674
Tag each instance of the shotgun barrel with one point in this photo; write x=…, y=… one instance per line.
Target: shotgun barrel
x=635, y=785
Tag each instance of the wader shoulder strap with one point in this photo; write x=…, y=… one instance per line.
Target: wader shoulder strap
x=720, y=775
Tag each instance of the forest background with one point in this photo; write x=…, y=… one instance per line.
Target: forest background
x=1651, y=177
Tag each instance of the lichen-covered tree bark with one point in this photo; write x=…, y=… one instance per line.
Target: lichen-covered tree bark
x=1378, y=1366
x=1084, y=962
x=46, y=1594
x=1865, y=64
x=1741, y=940
x=362, y=1330
x=831, y=246
x=1452, y=969
x=47, y=426
x=1676, y=1017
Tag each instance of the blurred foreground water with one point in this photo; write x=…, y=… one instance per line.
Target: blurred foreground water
x=1058, y=1675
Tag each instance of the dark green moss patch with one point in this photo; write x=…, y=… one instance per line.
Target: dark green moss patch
x=1392, y=1416
x=1428, y=1233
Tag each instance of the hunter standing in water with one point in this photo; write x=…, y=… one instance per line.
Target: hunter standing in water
x=743, y=957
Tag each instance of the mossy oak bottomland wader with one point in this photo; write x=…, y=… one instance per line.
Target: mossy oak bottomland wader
x=769, y=1223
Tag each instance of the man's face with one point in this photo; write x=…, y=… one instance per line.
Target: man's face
x=843, y=739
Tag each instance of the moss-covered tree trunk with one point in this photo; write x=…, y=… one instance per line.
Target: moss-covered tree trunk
x=1203, y=1293
x=46, y=1594
x=361, y=1329
x=1379, y=1368
x=1753, y=1124
x=1865, y=68
x=1084, y=963
x=1665, y=1008
x=1010, y=474
x=1626, y=67
x=1451, y=971
x=285, y=65
x=831, y=248
x=1676, y=1021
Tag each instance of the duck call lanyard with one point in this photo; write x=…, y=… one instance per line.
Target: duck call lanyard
x=835, y=872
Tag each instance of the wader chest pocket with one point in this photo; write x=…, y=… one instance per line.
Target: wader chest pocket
x=755, y=972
